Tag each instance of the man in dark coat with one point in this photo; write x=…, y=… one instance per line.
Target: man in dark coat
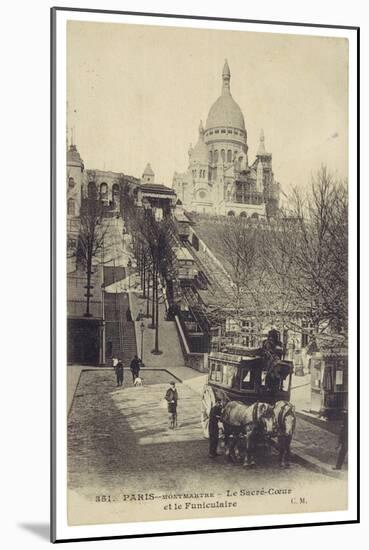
x=171, y=397
x=342, y=443
x=214, y=417
x=119, y=372
x=135, y=367
x=128, y=315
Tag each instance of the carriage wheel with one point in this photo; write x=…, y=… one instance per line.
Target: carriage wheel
x=207, y=402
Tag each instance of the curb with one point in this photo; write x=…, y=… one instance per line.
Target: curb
x=315, y=465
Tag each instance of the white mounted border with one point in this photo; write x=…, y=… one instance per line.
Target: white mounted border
x=61, y=530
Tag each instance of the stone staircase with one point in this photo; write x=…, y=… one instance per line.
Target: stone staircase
x=113, y=274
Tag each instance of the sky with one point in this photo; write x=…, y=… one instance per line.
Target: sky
x=136, y=94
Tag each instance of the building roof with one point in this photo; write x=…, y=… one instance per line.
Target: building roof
x=180, y=216
x=156, y=188
x=225, y=111
x=183, y=254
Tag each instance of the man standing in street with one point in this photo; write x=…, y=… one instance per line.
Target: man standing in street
x=119, y=372
x=172, y=398
x=342, y=443
x=135, y=368
x=214, y=417
x=128, y=315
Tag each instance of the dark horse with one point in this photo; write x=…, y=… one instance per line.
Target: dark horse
x=286, y=423
x=242, y=425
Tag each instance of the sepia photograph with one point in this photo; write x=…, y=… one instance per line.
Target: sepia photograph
x=205, y=223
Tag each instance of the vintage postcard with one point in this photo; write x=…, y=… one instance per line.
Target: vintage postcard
x=205, y=195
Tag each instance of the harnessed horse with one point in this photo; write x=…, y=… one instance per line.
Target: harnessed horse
x=242, y=425
x=286, y=423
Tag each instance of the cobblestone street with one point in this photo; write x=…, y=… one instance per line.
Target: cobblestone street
x=118, y=441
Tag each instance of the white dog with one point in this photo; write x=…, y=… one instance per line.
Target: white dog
x=138, y=382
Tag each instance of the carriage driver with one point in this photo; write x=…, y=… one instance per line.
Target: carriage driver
x=214, y=417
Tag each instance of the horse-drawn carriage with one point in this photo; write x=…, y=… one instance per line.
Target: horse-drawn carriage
x=253, y=387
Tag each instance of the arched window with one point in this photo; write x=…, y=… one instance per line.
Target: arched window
x=231, y=213
x=103, y=190
x=71, y=207
x=255, y=215
x=115, y=190
x=71, y=182
x=229, y=155
x=91, y=190
x=222, y=154
x=243, y=215
x=211, y=156
x=216, y=155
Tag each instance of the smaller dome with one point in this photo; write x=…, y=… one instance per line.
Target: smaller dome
x=148, y=170
x=261, y=150
x=73, y=156
x=200, y=152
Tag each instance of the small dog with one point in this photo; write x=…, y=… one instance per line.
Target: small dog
x=138, y=382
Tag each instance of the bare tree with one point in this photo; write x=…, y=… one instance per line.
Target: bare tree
x=321, y=255
x=90, y=241
x=294, y=265
x=241, y=243
x=155, y=243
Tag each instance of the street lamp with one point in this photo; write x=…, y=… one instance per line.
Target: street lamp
x=142, y=327
x=129, y=265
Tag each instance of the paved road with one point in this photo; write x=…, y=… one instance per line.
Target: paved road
x=118, y=439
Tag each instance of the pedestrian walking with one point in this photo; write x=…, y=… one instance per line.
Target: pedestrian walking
x=214, y=417
x=119, y=372
x=342, y=444
x=171, y=397
x=128, y=315
x=135, y=368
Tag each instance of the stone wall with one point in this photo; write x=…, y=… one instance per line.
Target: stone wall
x=196, y=361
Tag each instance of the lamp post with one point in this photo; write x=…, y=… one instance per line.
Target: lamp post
x=129, y=265
x=142, y=327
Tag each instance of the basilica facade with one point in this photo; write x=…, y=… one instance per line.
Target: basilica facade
x=219, y=179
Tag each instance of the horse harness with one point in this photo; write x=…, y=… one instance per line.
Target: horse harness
x=286, y=409
x=255, y=412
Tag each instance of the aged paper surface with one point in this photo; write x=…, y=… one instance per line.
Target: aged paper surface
x=163, y=294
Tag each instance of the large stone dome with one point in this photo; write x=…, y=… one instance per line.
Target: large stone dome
x=225, y=112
